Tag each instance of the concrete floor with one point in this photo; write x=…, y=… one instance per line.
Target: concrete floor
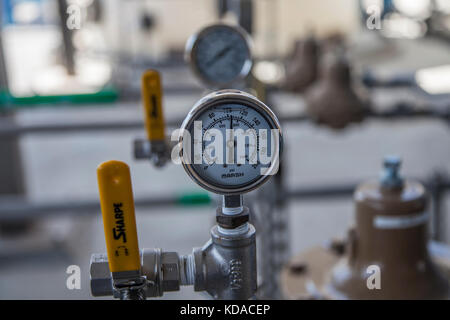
x=61, y=167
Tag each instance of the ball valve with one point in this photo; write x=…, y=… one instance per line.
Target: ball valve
x=225, y=266
x=156, y=146
x=117, y=205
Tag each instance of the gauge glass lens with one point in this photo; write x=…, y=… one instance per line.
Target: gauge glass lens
x=221, y=54
x=237, y=163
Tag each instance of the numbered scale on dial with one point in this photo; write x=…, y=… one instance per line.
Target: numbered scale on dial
x=233, y=143
x=220, y=55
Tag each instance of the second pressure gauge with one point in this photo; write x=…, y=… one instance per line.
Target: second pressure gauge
x=220, y=55
x=231, y=142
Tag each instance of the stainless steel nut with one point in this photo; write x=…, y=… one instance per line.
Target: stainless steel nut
x=151, y=264
x=170, y=271
x=101, y=280
x=142, y=149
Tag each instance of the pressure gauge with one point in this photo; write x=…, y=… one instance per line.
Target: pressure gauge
x=230, y=143
x=220, y=54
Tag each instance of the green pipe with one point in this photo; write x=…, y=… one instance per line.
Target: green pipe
x=194, y=199
x=106, y=95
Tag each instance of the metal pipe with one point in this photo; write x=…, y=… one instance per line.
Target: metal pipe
x=8, y=129
x=67, y=34
x=347, y=189
x=341, y=190
x=14, y=208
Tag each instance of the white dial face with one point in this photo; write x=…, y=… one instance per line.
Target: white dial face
x=233, y=137
x=221, y=54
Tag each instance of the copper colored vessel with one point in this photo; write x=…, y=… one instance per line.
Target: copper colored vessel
x=331, y=100
x=390, y=239
x=388, y=254
x=301, y=68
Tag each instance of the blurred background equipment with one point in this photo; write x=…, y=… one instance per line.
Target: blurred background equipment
x=389, y=239
x=301, y=70
x=332, y=100
x=70, y=91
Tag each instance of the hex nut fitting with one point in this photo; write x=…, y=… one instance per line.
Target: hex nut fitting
x=170, y=270
x=232, y=221
x=101, y=281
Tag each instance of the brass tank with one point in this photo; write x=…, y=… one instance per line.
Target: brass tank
x=390, y=239
x=332, y=100
x=301, y=68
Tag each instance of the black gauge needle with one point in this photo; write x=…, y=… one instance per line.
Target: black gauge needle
x=230, y=143
x=219, y=55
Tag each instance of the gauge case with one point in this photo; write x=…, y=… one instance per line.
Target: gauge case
x=191, y=52
x=231, y=96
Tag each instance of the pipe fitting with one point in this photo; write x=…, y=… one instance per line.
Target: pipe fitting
x=225, y=267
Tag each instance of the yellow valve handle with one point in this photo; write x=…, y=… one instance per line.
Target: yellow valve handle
x=152, y=99
x=119, y=222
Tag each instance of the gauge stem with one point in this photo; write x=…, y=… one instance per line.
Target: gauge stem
x=232, y=204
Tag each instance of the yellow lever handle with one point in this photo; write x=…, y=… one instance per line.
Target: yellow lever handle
x=152, y=99
x=119, y=222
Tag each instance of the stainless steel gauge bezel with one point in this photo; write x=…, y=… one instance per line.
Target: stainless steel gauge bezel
x=191, y=47
x=223, y=97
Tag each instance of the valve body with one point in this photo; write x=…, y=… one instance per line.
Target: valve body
x=225, y=267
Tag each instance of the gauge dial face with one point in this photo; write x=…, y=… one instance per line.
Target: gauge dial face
x=234, y=140
x=220, y=54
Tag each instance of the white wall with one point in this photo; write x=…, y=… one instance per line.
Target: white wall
x=277, y=22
